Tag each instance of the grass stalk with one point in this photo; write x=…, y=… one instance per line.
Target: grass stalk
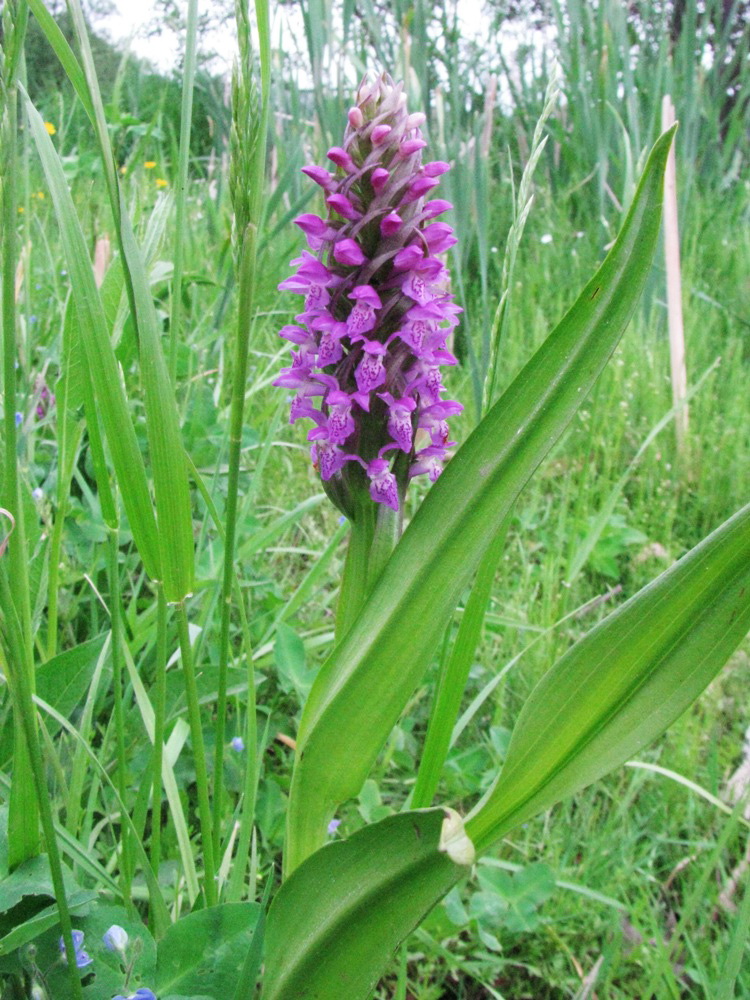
x=186, y=119
x=23, y=818
x=199, y=755
x=248, y=211
x=23, y=698
x=115, y=612
x=246, y=284
x=160, y=697
x=252, y=774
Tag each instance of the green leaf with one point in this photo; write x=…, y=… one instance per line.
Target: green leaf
x=204, y=953
x=100, y=358
x=512, y=899
x=168, y=464
x=27, y=904
x=78, y=903
x=628, y=679
x=290, y=660
x=64, y=53
x=106, y=975
x=336, y=921
x=363, y=687
x=63, y=682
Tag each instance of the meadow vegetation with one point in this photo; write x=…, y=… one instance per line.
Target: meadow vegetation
x=627, y=890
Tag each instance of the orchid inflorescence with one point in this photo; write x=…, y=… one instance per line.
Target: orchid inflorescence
x=370, y=342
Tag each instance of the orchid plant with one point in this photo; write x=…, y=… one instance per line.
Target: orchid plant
x=365, y=371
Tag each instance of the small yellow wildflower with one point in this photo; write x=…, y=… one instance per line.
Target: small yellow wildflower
x=123, y=169
x=50, y=128
x=40, y=195
x=161, y=183
x=21, y=209
x=149, y=164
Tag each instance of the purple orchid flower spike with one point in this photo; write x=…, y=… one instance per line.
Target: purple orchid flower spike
x=367, y=351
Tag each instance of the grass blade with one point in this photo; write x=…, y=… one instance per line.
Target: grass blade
x=110, y=396
x=628, y=679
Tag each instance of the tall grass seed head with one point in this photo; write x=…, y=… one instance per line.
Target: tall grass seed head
x=369, y=345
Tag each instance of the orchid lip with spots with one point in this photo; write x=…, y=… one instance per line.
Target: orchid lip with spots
x=370, y=342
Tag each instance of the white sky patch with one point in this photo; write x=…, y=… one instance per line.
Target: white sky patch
x=131, y=20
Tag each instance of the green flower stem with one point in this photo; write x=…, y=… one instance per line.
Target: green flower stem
x=388, y=527
x=354, y=580
x=22, y=694
x=374, y=533
x=160, y=697
x=199, y=755
x=186, y=118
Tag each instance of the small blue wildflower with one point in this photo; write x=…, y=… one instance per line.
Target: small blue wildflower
x=37, y=493
x=333, y=826
x=82, y=958
x=141, y=994
x=238, y=744
x=19, y=418
x=116, y=939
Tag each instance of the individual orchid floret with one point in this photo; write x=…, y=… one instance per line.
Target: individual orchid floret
x=320, y=176
x=429, y=461
x=368, y=348
x=349, y=253
x=314, y=228
x=370, y=372
x=362, y=317
x=342, y=159
x=383, y=485
x=341, y=204
x=400, y=419
x=379, y=178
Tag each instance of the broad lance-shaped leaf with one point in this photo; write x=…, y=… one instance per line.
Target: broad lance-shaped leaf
x=334, y=924
x=364, y=685
x=100, y=357
x=621, y=685
x=339, y=917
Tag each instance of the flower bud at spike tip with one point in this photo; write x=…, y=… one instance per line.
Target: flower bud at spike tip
x=368, y=346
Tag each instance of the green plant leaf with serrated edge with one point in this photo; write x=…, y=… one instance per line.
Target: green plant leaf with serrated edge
x=366, y=682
